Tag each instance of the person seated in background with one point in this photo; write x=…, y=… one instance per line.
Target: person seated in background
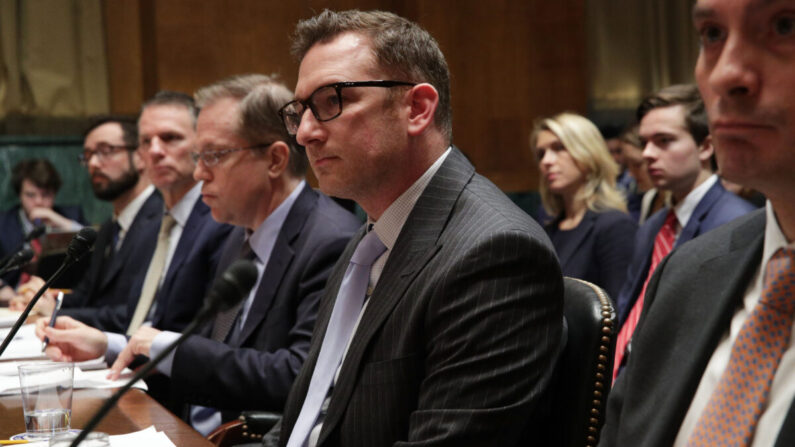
x=591, y=230
x=116, y=171
x=625, y=182
x=252, y=176
x=36, y=182
x=643, y=201
x=679, y=153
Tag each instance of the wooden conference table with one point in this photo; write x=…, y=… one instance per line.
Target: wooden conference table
x=134, y=411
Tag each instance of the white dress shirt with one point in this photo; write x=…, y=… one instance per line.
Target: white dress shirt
x=127, y=215
x=684, y=209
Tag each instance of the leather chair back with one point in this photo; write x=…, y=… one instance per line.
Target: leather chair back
x=582, y=377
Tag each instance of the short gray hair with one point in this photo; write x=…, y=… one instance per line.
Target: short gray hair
x=260, y=98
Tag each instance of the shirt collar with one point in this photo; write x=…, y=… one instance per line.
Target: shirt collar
x=684, y=209
x=391, y=222
x=27, y=225
x=774, y=236
x=181, y=211
x=263, y=238
x=127, y=215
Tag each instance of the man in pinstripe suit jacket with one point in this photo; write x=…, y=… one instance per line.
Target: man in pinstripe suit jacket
x=456, y=343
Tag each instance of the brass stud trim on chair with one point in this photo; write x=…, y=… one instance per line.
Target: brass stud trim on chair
x=608, y=332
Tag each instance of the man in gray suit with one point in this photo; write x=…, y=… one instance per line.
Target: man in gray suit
x=461, y=319
x=694, y=377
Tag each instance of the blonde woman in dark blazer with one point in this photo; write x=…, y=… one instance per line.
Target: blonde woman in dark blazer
x=590, y=229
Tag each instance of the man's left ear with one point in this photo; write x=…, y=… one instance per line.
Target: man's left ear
x=423, y=101
x=706, y=150
x=279, y=155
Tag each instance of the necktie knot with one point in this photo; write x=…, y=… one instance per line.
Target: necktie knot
x=670, y=221
x=167, y=223
x=780, y=281
x=368, y=250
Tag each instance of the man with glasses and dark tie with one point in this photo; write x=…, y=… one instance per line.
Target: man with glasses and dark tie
x=124, y=242
x=442, y=320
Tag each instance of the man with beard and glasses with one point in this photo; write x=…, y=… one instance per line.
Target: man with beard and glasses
x=120, y=254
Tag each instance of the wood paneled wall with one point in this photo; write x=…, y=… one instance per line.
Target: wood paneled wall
x=511, y=61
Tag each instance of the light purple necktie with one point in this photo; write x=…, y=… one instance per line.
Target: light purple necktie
x=347, y=307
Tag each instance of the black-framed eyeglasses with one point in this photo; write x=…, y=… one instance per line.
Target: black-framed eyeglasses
x=102, y=151
x=212, y=158
x=326, y=102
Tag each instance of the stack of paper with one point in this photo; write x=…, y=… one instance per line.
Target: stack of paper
x=86, y=376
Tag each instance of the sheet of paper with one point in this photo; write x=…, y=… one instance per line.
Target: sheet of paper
x=149, y=437
x=8, y=317
x=10, y=368
x=25, y=344
x=9, y=384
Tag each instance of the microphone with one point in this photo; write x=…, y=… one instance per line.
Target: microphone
x=80, y=245
x=35, y=233
x=228, y=290
x=17, y=260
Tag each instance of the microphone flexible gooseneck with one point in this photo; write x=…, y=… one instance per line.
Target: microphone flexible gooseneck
x=17, y=260
x=231, y=287
x=34, y=234
x=80, y=245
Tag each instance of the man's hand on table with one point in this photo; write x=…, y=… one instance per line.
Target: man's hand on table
x=71, y=340
x=139, y=344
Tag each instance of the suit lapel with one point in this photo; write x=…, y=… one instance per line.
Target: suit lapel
x=151, y=210
x=713, y=301
x=786, y=436
x=186, y=242
x=417, y=243
x=582, y=233
x=280, y=259
x=692, y=229
x=105, y=272
x=652, y=227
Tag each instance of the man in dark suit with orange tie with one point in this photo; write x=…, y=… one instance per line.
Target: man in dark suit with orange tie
x=713, y=362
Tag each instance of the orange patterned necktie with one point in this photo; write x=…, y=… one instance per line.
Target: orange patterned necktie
x=741, y=394
x=663, y=244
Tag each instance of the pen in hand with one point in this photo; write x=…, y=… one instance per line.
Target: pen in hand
x=58, y=302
